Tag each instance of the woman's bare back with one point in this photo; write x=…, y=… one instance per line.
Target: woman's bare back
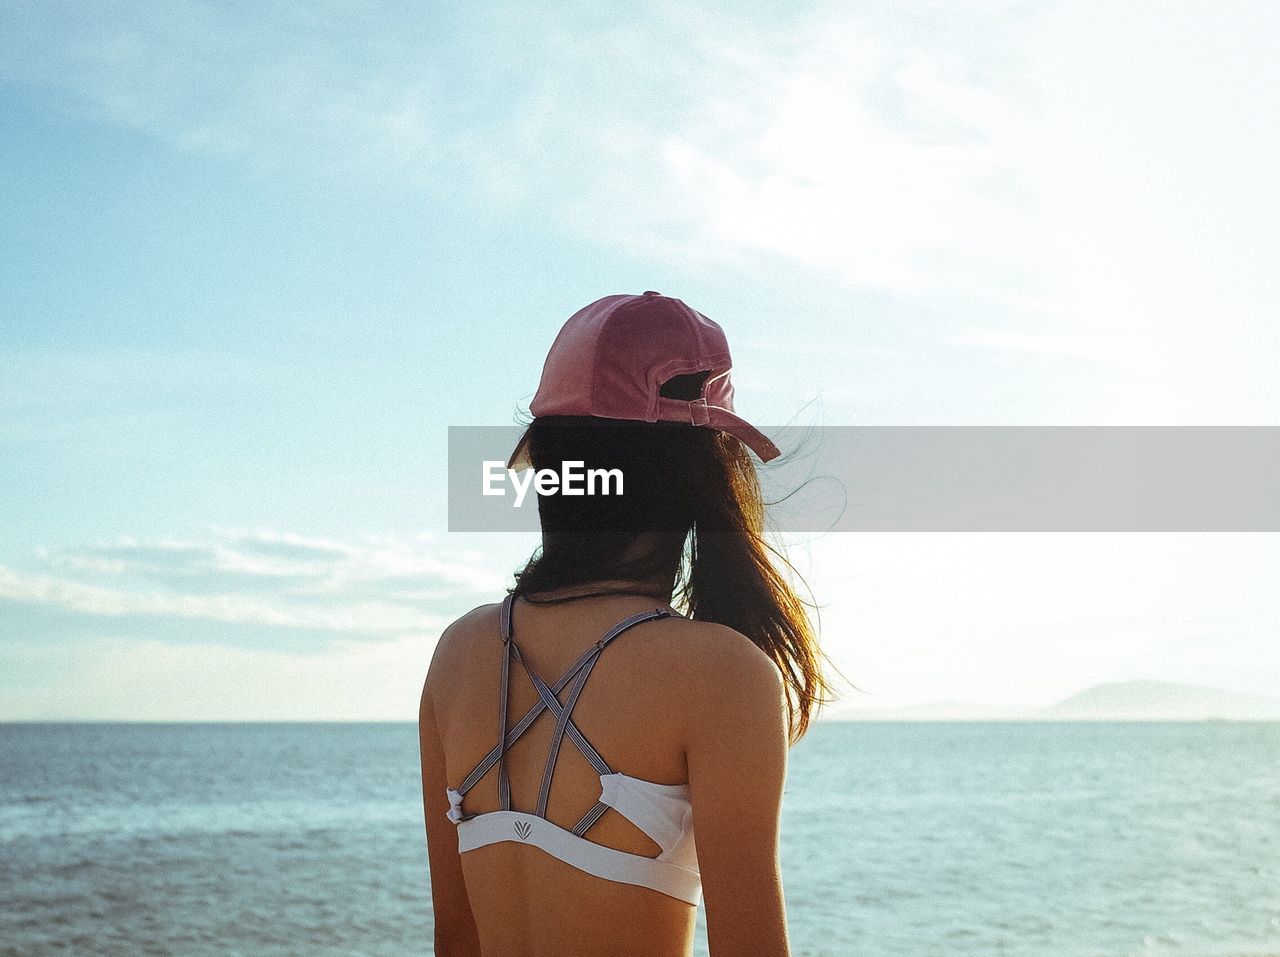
x=637, y=708
x=519, y=894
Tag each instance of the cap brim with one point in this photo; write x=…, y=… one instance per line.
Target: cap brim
x=743, y=431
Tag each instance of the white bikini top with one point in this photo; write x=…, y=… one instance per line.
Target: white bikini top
x=662, y=811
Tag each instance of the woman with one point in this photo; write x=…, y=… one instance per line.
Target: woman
x=561, y=811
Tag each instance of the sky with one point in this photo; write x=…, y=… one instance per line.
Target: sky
x=256, y=258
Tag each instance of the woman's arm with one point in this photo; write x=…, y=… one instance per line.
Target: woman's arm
x=737, y=755
x=455, y=927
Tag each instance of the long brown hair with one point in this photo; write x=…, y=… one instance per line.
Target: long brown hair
x=692, y=500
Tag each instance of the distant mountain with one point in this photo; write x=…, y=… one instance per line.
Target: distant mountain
x=1115, y=701
x=1161, y=701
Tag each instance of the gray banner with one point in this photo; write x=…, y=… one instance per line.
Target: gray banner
x=954, y=479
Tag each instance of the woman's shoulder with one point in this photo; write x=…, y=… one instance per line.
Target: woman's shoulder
x=714, y=657
x=460, y=635
x=481, y=616
x=726, y=686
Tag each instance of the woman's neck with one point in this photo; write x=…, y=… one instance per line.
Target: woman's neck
x=601, y=588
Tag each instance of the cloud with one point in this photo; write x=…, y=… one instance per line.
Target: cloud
x=141, y=679
x=244, y=587
x=1031, y=342
x=875, y=161
x=257, y=84
x=1069, y=181
x=849, y=144
x=366, y=617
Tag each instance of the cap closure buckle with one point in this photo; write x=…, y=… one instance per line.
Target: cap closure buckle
x=698, y=414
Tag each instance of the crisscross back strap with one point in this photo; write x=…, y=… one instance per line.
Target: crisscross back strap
x=577, y=673
x=555, y=707
x=490, y=759
x=563, y=722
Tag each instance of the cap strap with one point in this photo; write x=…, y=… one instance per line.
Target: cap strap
x=698, y=414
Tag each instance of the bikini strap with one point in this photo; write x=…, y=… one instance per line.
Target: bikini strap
x=504, y=618
x=508, y=634
x=563, y=723
x=576, y=675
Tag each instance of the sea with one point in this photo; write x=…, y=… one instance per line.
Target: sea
x=958, y=839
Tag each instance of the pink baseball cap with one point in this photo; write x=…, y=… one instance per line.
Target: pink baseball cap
x=612, y=357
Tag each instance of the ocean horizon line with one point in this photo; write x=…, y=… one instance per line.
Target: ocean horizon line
x=842, y=719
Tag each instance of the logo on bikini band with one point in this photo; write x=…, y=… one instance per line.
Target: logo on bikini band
x=523, y=829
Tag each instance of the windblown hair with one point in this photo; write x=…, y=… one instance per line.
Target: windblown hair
x=691, y=518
